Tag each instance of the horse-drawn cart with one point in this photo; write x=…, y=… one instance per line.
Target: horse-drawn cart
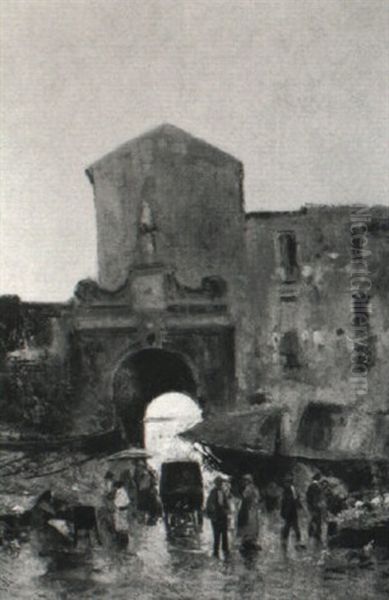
x=181, y=492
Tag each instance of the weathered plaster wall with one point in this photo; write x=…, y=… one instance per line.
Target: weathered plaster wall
x=168, y=190
x=304, y=323
x=172, y=199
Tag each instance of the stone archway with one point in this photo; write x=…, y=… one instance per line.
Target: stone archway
x=141, y=377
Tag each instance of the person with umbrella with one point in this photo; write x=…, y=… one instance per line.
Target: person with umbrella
x=121, y=503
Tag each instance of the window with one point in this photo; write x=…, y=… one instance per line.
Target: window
x=288, y=256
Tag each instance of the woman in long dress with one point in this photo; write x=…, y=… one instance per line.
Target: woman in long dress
x=248, y=518
x=121, y=503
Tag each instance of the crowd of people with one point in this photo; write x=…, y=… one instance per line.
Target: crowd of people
x=220, y=509
x=133, y=494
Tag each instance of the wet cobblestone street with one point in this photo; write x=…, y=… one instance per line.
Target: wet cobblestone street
x=181, y=567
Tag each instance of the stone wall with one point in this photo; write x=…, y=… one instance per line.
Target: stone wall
x=38, y=368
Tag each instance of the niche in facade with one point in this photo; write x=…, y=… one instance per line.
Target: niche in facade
x=318, y=425
x=288, y=256
x=289, y=350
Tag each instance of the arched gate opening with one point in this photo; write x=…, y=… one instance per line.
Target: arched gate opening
x=144, y=376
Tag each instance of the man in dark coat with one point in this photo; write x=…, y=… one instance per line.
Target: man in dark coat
x=290, y=504
x=217, y=509
x=316, y=507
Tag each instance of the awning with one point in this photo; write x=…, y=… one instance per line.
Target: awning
x=327, y=431
x=256, y=430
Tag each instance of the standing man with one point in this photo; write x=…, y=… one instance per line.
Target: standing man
x=316, y=507
x=290, y=504
x=217, y=510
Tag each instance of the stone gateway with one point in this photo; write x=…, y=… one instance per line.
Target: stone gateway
x=196, y=296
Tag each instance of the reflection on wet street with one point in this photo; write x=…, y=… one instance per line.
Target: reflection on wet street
x=157, y=566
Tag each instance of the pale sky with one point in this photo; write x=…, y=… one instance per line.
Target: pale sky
x=296, y=89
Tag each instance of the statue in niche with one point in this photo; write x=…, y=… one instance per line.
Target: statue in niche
x=147, y=226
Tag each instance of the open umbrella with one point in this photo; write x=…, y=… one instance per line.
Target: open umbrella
x=130, y=453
